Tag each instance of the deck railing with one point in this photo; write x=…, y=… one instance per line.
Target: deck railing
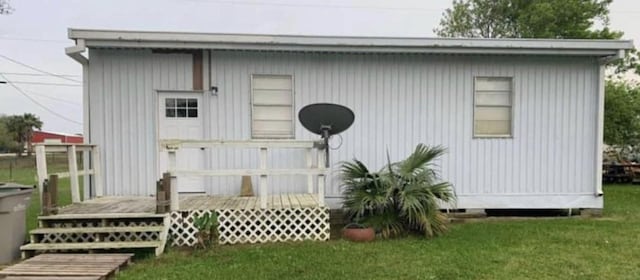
x=172, y=147
x=73, y=173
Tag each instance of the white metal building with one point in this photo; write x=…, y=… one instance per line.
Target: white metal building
x=522, y=119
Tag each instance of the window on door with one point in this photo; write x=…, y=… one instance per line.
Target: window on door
x=181, y=107
x=493, y=99
x=272, y=106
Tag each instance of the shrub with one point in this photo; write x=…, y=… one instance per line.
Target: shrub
x=402, y=197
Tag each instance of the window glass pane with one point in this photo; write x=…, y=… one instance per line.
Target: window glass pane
x=272, y=99
x=170, y=113
x=193, y=113
x=272, y=113
x=182, y=113
x=271, y=82
x=170, y=102
x=181, y=102
x=493, y=128
x=493, y=113
x=493, y=101
x=493, y=83
x=493, y=98
x=193, y=103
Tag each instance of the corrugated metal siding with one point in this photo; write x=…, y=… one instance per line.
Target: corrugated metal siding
x=399, y=101
x=122, y=111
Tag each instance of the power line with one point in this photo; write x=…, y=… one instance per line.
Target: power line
x=47, y=84
x=53, y=98
x=37, y=69
x=38, y=103
x=307, y=5
x=33, y=39
x=35, y=74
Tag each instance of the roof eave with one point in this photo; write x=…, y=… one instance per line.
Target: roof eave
x=347, y=49
x=173, y=40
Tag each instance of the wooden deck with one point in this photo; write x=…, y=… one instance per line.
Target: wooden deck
x=67, y=266
x=140, y=204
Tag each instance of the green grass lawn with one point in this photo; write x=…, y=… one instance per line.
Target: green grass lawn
x=23, y=171
x=575, y=248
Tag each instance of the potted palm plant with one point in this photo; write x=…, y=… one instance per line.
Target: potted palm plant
x=402, y=197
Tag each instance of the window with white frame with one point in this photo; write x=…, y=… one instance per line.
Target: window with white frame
x=493, y=102
x=272, y=106
x=181, y=107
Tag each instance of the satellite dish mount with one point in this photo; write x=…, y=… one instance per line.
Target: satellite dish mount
x=326, y=120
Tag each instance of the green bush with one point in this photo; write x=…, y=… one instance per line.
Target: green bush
x=402, y=197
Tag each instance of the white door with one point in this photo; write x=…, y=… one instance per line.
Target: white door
x=180, y=117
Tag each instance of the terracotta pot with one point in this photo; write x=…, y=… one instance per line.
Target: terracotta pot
x=359, y=234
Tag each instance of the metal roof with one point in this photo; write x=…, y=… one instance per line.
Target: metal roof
x=185, y=40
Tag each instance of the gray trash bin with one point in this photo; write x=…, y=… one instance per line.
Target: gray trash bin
x=14, y=201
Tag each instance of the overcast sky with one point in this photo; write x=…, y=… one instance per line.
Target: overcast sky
x=36, y=35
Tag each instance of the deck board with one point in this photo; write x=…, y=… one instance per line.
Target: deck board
x=142, y=204
x=67, y=266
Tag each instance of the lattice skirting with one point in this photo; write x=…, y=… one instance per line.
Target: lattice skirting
x=101, y=237
x=255, y=225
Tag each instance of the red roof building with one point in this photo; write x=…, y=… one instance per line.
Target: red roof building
x=55, y=137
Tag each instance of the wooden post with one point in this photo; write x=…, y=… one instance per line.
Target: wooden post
x=263, y=178
x=87, y=179
x=171, y=191
x=73, y=173
x=97, y=170
x=45, y=199
x=309, y=166
x=321, y=177
x=41, y=167
x=162, y=202
x=53, y=193
x=172, y=188
x=49, y=195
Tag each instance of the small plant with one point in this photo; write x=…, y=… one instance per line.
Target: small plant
x=207, y=226
x=402, y=197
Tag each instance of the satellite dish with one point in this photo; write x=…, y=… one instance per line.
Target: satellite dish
x=326, y=119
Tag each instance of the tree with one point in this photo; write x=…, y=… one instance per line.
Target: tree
x=622, y=114
x=566, y=19
x=22, y=127
x=7, y=142
x=5, y=7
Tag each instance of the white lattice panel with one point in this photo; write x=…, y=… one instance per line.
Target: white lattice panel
x=68, y=238
x=182, y=231
x=85, y=237
x=255, y=225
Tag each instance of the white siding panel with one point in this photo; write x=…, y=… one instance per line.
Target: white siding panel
x=399, y=101
x=122, y=101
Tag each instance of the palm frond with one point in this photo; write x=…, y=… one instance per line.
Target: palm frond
x=420, y=160
x=402, y=196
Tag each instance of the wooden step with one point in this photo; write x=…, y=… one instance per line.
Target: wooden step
x=90, y=245
x=96, y=229
x=67, y=267
x=106, y=216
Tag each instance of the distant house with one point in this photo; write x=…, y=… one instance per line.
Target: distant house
x=522, y=118
x=55, y=137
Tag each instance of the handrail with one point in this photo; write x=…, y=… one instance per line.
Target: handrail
x=41, y=150
x=171, y=146
x=275, y=143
